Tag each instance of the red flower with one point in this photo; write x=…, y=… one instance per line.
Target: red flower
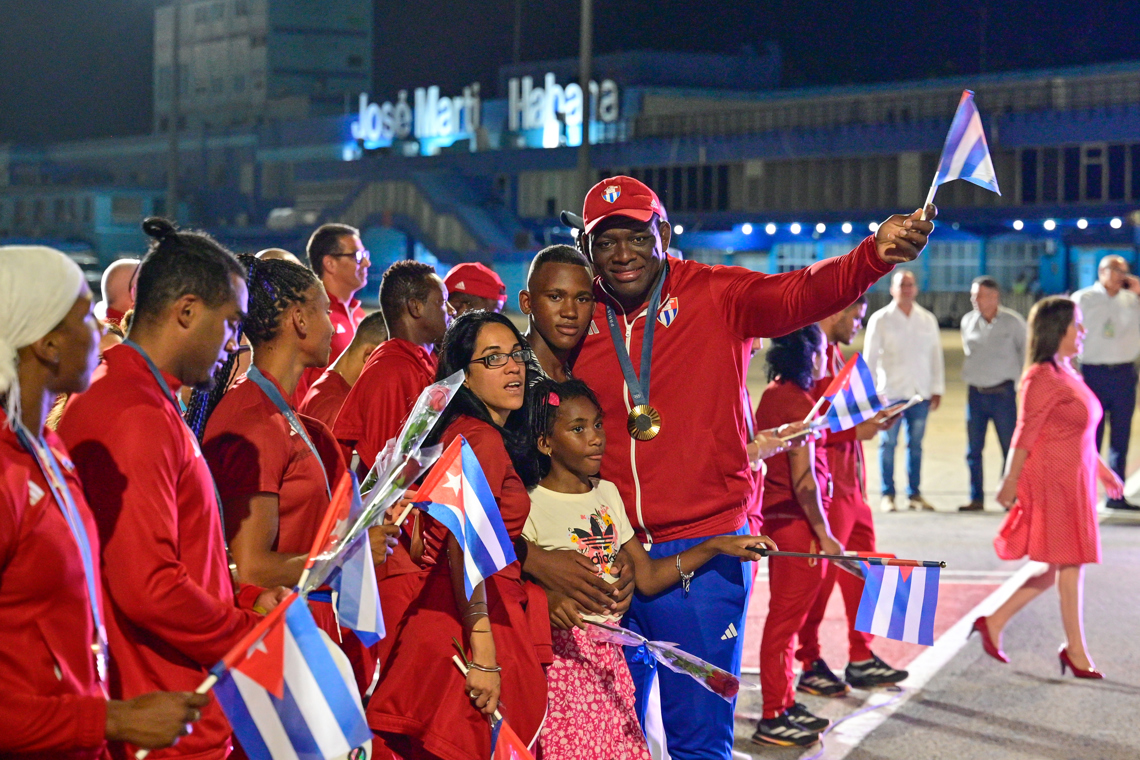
x=437, y=399
x=723, y=683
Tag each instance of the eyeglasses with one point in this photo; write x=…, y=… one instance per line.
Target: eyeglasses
x=494, y=361
x=360, y=255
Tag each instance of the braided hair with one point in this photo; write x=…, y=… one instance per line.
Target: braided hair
x=274, y=285
x=455, y=354
x=545, y=399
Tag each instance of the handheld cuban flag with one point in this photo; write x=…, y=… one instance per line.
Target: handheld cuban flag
x=457, y=494
x=357, y=596
x=852, y=396
x=506, y=744
x=283, y=694
x=898, y=602
x=966, y=155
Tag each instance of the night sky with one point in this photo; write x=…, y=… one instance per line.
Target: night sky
x=81, y=68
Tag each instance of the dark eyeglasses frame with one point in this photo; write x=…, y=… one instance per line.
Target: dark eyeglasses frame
x=521, y=357
x=360, y=255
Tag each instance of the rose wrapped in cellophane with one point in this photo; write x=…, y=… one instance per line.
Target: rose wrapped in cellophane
x=717, y=680
x=403, y=460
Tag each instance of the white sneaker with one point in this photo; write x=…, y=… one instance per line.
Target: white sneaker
x=887, y=504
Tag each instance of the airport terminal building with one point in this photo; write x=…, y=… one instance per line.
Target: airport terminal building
x=272, y=122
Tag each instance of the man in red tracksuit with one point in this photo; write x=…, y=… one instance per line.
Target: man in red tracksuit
x=678, y=453
x=850, y=519
x=170, y=600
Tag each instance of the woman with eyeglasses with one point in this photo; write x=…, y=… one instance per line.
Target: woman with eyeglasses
x=504, y=627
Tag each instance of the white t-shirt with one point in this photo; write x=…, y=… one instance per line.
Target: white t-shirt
x=593, y=523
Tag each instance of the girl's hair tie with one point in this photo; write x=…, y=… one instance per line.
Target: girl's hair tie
x=553, y=399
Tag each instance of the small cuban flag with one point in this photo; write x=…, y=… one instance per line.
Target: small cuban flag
x=357, y=595
x=283, y=694
x=966, y=154
x=898, y=602
x=852, y=396
x=457, y=494
x=506, y=744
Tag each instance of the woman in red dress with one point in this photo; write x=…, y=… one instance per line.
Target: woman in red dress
x=423, y=707
x=1053, y=473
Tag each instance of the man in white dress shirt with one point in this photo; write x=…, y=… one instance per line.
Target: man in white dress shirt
x=1111, y=312
x=903, y=350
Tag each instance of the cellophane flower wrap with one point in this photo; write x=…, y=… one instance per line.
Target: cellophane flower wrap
x=402, y=461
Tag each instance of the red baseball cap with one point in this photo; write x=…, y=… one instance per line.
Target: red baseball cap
x=620, y=196
x=477, y=280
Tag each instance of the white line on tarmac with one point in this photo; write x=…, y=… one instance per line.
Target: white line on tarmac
x=847, y=735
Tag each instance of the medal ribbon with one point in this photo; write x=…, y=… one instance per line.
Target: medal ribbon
x=638, y=388
x=178, y=410
x=270, y=390
x=42, y=453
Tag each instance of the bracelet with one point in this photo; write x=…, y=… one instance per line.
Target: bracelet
x=685, y=577
x=473, y=666
x=475, y=614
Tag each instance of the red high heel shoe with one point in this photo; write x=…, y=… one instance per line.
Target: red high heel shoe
x=992, y=649
x=1063, y=656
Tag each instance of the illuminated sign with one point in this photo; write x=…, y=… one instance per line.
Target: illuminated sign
x=432, y=116
x=530, y=107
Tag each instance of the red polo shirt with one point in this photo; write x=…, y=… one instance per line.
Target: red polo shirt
x=167, y=588
x=345, y=319
x=52, y=704
x=785, y=402
x=376, y=407
x=325, y=398
x=251, y=449
x=707, y=320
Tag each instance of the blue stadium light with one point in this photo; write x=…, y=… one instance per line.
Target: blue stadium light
x=873, y=227
x=1116, y=223
x=1018, y=225
x=746, y=228
x=770, y=228
x=796, y=228
x=821, y=228
x=846, y=228
x=678, y=229
x=1050, y=225
x=1082, y=223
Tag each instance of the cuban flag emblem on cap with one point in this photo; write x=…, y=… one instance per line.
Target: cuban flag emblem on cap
x=668, y=312
x=611, y=193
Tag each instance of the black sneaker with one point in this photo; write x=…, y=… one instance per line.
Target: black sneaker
x=783, y=732
x=1121, y=504
x=873, y=672
x=801, y=716
x=817, y=679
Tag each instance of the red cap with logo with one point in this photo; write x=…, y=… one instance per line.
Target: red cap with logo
x=620, y=196
x=477, y=280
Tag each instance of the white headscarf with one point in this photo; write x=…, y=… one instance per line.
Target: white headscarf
x=38, y=286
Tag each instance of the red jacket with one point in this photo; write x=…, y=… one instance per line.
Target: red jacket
x=52, y=704
x=693, y=480
x=376, y=407
x=785, y=402
x=345, y=319
x=170, y=600
x=325, y=398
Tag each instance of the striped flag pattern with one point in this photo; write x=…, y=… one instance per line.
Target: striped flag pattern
x=966, y=154
x=898, y=602
x=457, y=494
x=852, y=395
x=358, y=597
x=283, y=694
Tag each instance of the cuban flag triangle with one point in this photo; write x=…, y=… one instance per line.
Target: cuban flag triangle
x=966, y=154
x=283, y=694
x=506, y=744
x=852, y=396
x=457, y=494
x=898, y=602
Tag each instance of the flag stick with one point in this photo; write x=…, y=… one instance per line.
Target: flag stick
x=463, y=669
x=930, y=195
x=815, y=409
x=872, y=560
x=203, y=687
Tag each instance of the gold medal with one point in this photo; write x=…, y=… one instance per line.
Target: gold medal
x=644, y=422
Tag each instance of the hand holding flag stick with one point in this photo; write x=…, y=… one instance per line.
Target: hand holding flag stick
x=965, y=155
x=888, y=561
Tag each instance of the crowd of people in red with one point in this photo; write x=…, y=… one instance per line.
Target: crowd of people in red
x=160, y=489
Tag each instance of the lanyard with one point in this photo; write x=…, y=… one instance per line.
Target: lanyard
x=42, y=453
x=638, y=388
x=261, y=381
x=177, y=410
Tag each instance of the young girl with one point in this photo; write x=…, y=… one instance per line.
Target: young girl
x=590, y=692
